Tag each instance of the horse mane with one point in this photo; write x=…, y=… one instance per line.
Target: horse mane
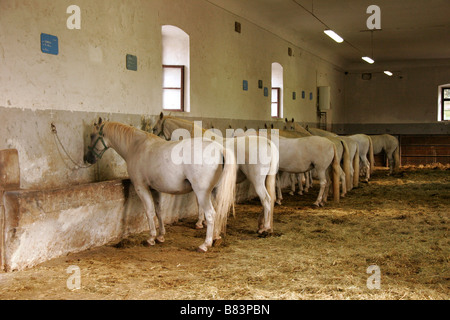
x=123, y=133
x=186, y=122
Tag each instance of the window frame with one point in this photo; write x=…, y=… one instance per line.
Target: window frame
x=278, y=102
x=443, y=100
x=182, y=88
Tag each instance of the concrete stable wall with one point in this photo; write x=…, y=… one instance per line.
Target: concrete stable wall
x=40, y=225
x=406, y=103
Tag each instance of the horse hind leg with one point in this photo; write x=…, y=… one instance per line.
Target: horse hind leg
x=278, y=187
x=391, y=162
x=343, y=183
x=264, y=218
x=205, y=205
x=201, y=219
x=323, y=181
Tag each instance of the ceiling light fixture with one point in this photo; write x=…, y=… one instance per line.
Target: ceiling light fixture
x=333, y=35
x=368, y=60
x=390, y=74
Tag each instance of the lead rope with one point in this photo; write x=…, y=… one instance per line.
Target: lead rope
x=57, y=140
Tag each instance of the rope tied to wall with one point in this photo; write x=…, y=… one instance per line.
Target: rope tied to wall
x=58, y=141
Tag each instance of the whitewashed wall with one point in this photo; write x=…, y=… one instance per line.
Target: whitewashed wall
x=89, y=77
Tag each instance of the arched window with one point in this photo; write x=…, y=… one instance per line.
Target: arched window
x=176, y=69
x=277, y=90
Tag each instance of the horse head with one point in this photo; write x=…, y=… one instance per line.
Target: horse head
x=98, y=145
x=158, y=128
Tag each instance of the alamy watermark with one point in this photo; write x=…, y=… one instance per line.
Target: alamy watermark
x=374, y=281
x=248, y=148
x=74, y=280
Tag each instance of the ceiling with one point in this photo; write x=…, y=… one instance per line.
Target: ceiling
x=410, y=29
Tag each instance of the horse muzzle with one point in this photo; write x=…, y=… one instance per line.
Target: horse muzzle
x=90, y=158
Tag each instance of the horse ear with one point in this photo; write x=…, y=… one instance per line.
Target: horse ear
x=265, y=125
x=293, y=120
x=100, y=120
x=161, y=115
x=245, y=128
x=230, y=127
x=271, y=126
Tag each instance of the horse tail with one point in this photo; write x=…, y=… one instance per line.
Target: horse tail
x=371, y=157
x=336, y=174
x=271, y=179
x=225, y=191
x=397, y=156
x=346, y=164
x=356, y=167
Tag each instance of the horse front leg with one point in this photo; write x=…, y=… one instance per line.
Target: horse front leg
x=162, y=230
x=293, y=182
x=300, y=178
x=149, y=206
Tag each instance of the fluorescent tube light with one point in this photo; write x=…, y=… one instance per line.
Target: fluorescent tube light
x=333, y=35
x=368, y=60
x=388, y=73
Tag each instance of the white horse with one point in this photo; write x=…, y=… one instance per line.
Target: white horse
x=307, y=154
x=350, y=152
x=300, y=178
x=301, y=155
x=152, y=170
x=365, y=147
x=389, y=144
x=343, y=153
x=261, y=174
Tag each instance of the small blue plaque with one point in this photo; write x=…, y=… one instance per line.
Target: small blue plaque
x=310, y=96
x=245, y=85
x=294, y=95
x=303, y=95
x=266, y=92
x=49, y=44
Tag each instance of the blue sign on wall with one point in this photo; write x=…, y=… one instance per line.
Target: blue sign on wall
x=49, y=44
x=266, y=92
x=245, y=85
x=131, y=62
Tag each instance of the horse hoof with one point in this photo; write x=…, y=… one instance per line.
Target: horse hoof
x=291, y=193
x=278, y=202
x=151, y=242
x=217, y=242
x=160, y=239
x=201, y=250
x=264, y=233
x=198, y=227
